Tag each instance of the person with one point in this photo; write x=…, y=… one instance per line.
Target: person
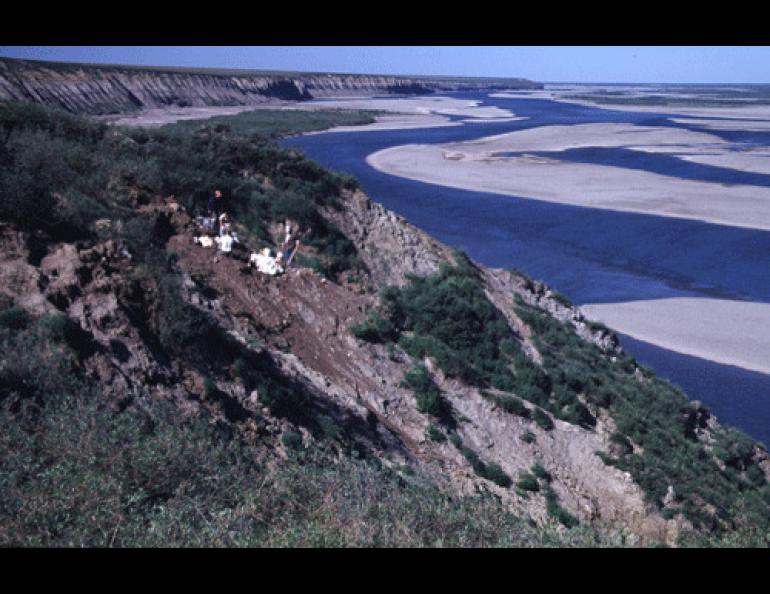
x=293, y=253
x=225, y=243
x=205, y=224
x=224, y=224
x=287, y=236
x=204, y=241
x=265, y=263
x=215, y=202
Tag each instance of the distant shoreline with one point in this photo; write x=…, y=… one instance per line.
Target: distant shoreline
x=399, y=112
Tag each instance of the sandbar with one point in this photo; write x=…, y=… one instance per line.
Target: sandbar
x=720, y=330
x=482, y=165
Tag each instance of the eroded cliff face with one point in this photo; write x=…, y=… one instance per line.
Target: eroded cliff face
x=300, y=323
x=111, y=90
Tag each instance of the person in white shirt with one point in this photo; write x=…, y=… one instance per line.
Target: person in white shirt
x=225, y=243
x=224, y=224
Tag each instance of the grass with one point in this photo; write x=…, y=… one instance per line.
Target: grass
x=59, y=174
x=276, y=123
x=447, y=317
x=656, y=416
x=75, y=474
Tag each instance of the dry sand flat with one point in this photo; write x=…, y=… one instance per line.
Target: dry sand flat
x=420, y=112
x=697, y=147
x=416, y=105
x=724, y=331
x=149, y=118
x=397, y=122
x=478, y=165
x=731, y=123
x=747, y=112
x=557, y=138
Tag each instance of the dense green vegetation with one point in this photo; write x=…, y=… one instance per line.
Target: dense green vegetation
x=75, y=473
x=275, y=123
x=657, y=417
x=60, y=173
x=447, y=316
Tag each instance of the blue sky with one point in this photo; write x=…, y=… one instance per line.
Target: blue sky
x=623, y=64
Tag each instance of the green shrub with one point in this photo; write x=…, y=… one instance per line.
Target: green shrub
x=435, y=434
x=542, y=419
x=14, y=318
x=374, y=329
x=494, y=473
x=39, y=356
x=541, y=473
x=513, y=405
x=209, y=388
x=429, y=399
x=329, y=428
x=292, y=440
x=561, y=299
x=527, y=482
x=557, y=511
x=528, y=437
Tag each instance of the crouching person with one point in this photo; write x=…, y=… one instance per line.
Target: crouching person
x=266, y=263
x=204, y=241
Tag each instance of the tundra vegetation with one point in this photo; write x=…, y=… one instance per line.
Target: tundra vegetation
x=77, y=471
x=446, y=316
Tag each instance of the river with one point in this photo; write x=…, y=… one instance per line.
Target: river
x=590, y=255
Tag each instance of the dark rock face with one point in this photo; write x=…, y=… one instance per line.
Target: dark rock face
x=98, y=90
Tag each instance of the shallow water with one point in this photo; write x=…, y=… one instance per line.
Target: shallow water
x=590, y=255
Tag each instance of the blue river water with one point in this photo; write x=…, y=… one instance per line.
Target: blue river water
x=589, y=255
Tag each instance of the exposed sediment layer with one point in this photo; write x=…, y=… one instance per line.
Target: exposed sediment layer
x=99, y=90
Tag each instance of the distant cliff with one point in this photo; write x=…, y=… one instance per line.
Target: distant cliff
x=97, y=90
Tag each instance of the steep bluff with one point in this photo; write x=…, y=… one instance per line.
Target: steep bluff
x=99, y=90
x=500, y=387
x=300, y=324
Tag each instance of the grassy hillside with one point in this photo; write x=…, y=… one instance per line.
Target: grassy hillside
x=718, y=487
x=76, y=472
x=79, y=470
